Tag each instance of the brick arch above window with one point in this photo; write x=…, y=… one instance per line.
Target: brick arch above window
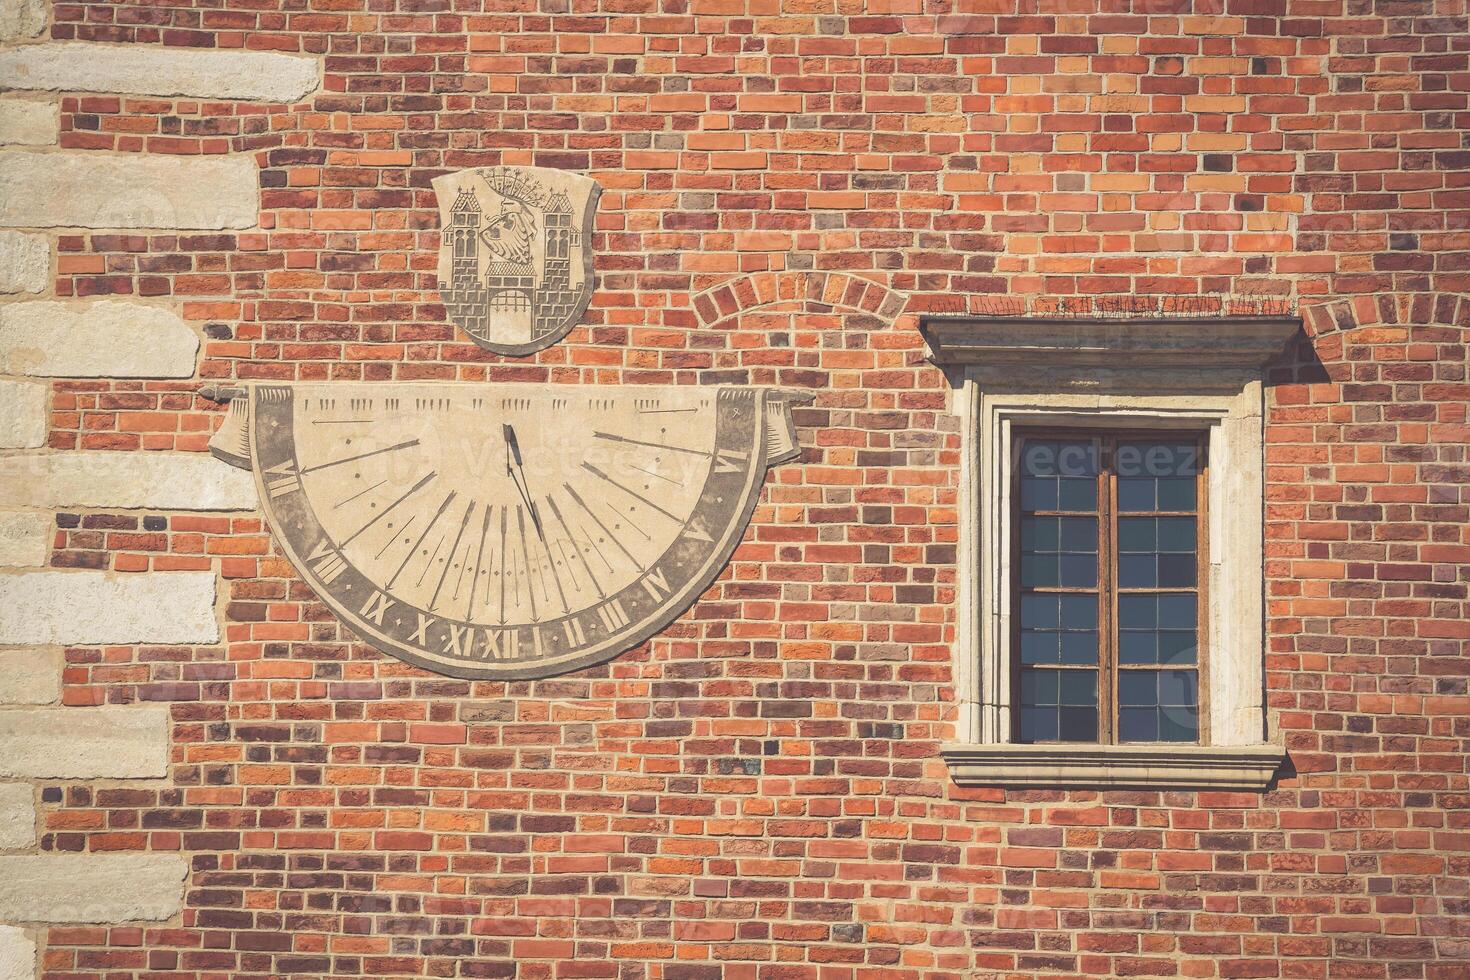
x=718, y=305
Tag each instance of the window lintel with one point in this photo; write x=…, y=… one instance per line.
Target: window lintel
x=1238, y=342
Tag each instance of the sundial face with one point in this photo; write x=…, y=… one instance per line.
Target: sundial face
x=507, y=531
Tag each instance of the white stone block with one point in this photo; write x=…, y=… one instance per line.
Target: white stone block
x=30, y=675
x=124, y=481
x=84, y=743
x=25, y=260
x=106, y=339
x=23, y=415
x=25, y=538
x=145, y=69
x=22, y=18
x=17, y=816
x=17, y=955
x=87, y=189
x=70, y=607
x=26, y=122
x=105, y=887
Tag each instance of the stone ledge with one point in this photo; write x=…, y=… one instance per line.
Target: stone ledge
x=27, y=122
x=124, y=481
x=84, y=743
x=30, y=675
x=1082, y=766
x=77, y=189
x=144, y=69
x=106, y=339
x=65, y=608
x=92, y=887
x=17, y=816
x=25, y=260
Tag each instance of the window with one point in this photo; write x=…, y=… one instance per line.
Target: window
x=1110, y=545
x=1110, y=611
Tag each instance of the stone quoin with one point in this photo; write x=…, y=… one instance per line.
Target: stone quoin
x=734, y=490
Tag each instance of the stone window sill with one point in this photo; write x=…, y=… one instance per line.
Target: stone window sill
x=1073, y=766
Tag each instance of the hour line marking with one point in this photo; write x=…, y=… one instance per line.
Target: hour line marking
x=430, y=564
x=353, y=459
x=394, y=537
x=526, y=557
x=504, y=513
x=449, y=559
x=654, y=445
x=389, y=509
x=580, y=554
x=359, y=494
x=339, y=421
x=631, y=492
x=657, y=476
x=664, y=411
x=427, y=528
x=479, y=557
x=551, y=561
x=601, y=526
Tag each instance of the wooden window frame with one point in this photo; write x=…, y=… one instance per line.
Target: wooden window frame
x=1108, y=667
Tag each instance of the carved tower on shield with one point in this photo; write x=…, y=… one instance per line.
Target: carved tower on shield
x=465, y=298
x=515, y=262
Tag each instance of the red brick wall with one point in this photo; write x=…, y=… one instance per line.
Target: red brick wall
x=756, y=792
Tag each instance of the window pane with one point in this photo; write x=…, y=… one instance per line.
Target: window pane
x=1158, y=705
x=1157, y=629
x=1156, y=475
x=1079, y=612
x=1059, y=474
x=1058, y=705
x=1040, y=611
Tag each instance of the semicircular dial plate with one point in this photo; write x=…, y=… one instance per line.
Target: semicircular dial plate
x=507, y=531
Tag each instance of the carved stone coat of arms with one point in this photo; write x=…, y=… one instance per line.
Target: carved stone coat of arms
x=515, y=259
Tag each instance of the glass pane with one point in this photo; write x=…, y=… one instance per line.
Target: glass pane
x=1176, y=494
x=1158, y=705
x=1058, y=705
x=1179, y=724
x=1138, y=725
x=1137, y=534
x=1039, y=648
x=1077, y=495
x=1177, y=571
x=1040, y=611
x=1176, y=610
x=1040, y=571
x=1039, y=724
x=1157, y=475
x=1137, y=572
x=1078, y=534
x=1177, y=647
x=1136, y=647
x=1038, y=494
x=1078, y=612
x=1135, y=494
x=1079, y=648
x=1079, y=571
x=1157, y=628
x=1175, y=534
x=1059, y=474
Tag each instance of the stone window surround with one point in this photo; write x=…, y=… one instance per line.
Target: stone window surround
x=1199, y=374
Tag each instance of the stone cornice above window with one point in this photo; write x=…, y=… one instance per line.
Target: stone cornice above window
x=1058, y=766
x=1231, y=344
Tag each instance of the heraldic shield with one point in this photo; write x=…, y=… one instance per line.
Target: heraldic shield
x=515, y=259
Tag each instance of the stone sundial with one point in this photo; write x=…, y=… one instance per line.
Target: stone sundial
x=501, y=530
